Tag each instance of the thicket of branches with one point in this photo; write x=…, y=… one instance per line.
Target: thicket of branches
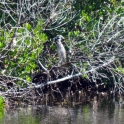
x=94, y=33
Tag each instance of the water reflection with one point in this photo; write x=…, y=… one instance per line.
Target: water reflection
x=98, y=109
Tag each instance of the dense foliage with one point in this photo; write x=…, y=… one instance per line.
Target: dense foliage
x=93, y=30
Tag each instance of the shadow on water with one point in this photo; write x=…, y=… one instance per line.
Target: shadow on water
x=91, y=109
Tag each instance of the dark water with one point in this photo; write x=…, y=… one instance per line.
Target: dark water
x=102, y=110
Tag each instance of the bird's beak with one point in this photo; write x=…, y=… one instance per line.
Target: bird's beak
x=63, y=40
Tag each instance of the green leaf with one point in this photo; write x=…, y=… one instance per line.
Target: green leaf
x=2, y=38
x=28, y=79
x=28, y=26
x=1, y=44
x=76, y=32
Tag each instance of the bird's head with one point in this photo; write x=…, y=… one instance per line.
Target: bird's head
x=59, y=38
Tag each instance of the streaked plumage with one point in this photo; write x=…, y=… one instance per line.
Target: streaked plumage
x=60, y=49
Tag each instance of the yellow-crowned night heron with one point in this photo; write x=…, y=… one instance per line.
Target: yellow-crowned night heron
x=60, y=49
